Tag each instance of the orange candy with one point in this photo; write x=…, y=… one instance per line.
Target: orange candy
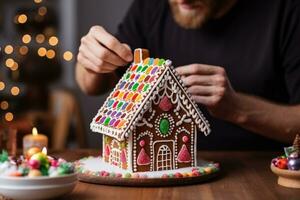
x=33, y=150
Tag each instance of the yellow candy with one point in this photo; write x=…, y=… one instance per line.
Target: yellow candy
x=34, y=173
x=207, y=170
x=190, y=174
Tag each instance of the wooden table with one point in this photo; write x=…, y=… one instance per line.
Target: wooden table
x=245, y=175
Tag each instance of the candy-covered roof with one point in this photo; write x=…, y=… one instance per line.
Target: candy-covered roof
x=125, y=102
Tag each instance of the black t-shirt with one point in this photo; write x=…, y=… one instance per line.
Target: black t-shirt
x=257, y=42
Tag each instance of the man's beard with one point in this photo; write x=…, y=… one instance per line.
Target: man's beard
x=202, y=12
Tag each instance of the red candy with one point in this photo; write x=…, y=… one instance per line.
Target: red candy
x=34, y=164
x=282, y=163
x=54, y=163
x=178, y=175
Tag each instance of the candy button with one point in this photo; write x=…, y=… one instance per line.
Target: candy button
x=145, y=68
x=126, y=85
x=119, y=105
x=138, y=98
x=154, y=70
x=107, y=120
x=120, y=95
x=140, y=88
x=116, y=93
x=146, y=88
x=146, y=61
x=127, y=76
x=151, y=61
x=129, y=107
x=147, y=78
x=124, y=106
x=130, y=86
x=135, y=86
x=110, y=103
x=152, y=79
x=98, y=118
x=108, y=113
x=161, y=62
x=102, y=120
x=132, y=76
x=142, y=78
x=137, y=77
x=119, y=114
x=122, y=84
x=133, y=68
x=149, y=70
x=116, y=123
x=115, y=104
x=135, y=96
x=111, y=123
x=129, y=96
x=121, y=124
x=113, y=113
x=125, y=95
x=139, y=68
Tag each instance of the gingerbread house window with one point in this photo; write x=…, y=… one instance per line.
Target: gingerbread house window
x=164, y=158
x=115, y=153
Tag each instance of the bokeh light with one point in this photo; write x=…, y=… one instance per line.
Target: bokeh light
x=9, y=116
x=42, y=51
x=53, y=41
x=15, y=66
x=22, y=19
x=42, y=11
x=26, y=38
x=38, y=1
x=2, y=85
x=23, y=50
x=50, y=54
x=40, y=38
x=8, y=49
x=9, y=62
x=4, y=105
x=15, y=91
x=68, y=55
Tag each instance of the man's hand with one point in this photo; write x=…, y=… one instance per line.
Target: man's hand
x=209, y=86
x=100, y=52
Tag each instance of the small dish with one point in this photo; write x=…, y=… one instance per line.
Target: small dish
x=287, y=178
x=37, y=187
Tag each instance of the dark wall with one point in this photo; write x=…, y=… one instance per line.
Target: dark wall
x=107, y=13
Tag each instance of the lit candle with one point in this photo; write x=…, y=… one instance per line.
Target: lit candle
x=34, y=140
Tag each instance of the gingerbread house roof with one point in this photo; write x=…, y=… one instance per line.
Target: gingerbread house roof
x=134, y=92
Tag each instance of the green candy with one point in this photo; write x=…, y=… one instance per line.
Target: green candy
x=164, y=126
x=65, y=168
x=3, y=156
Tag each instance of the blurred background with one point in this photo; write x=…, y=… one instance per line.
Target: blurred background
x=39, y=41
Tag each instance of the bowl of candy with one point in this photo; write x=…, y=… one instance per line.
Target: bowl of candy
x=287, y=166
x=35, y=176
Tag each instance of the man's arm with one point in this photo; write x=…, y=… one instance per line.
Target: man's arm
x=100, y=54
x=93, y=83
x=210, y=86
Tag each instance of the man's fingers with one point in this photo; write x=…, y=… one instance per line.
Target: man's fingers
x=112, y=43
x=206, y=100
x=197, y=80
x=105, y=66
x=201, y=69
x=202, y=90
x=88, y=54
x=104, y=53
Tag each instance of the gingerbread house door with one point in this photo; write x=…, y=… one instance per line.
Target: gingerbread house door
x=163, y=155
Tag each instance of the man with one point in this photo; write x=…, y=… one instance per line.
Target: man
x=238, y=59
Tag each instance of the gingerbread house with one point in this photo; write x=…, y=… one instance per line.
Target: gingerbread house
x=149, y=122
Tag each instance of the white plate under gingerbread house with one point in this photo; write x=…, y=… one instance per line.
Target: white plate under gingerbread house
x=95, y=170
